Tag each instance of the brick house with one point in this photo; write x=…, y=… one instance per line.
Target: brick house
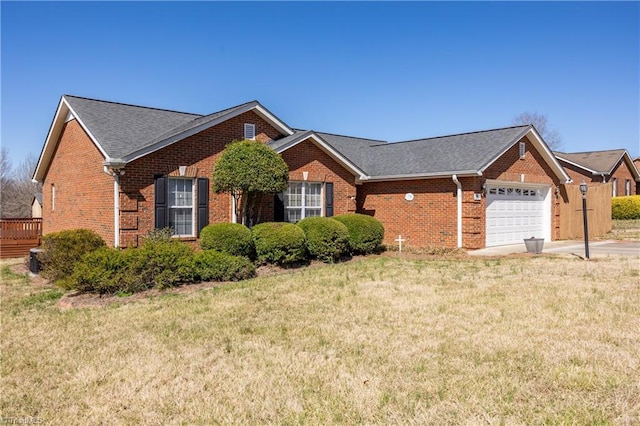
x=123, y=170
x=613, y=166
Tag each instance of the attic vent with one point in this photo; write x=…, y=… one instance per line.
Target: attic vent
x=523, y=150
x=250, y=131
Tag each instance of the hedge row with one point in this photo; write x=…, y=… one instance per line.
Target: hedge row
x=323, y=238
x=79, y=259
x=625, y=207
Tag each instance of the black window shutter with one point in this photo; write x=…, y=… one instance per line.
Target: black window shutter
x=328, y=199
x=203, y=203
x=278, y=207
x=161, y=208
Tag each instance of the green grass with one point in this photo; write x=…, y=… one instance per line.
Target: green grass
x=381, y=340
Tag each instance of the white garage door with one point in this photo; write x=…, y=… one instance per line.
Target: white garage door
x=515, y=213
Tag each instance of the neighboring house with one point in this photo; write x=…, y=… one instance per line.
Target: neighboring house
x=613, y=166
x=123, y=170
x=36, y=205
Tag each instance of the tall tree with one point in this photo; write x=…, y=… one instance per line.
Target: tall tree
x=541, y=123
x=248, y=170
x=17, y=188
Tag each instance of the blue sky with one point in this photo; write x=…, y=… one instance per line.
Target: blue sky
x=392, y=71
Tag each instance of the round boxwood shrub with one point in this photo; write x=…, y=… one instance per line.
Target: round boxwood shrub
x=213, y=265
x=365, y=232
x=625, y=208
x=279, y=243
x=231, y=238
x=62, y=250
x=327, y=239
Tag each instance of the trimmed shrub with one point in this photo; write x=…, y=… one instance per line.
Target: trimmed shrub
x=327, y=239
x=62, y=250
x=105, y=270
x=156, y=263
x=231, y=238
x=625, y=208
x=365, y=232
x=163, y=264
x=213, y=265
x=279, y=242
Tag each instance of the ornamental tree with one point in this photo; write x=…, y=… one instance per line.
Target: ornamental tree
x=248, y=170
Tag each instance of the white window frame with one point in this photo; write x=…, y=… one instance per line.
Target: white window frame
x=53, y=197
x=250, y=131
x=614, y=187
x=303, y=208
x=171, y=208
x=627, y=187
x=523, y=150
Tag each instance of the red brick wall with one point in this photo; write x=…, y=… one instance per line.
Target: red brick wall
x=306, y=156
x=430, y=219
x=578, y=174
x=622, y=173
x=83, y=192
x=199, y=153
x=636, y=162
x=510, y=167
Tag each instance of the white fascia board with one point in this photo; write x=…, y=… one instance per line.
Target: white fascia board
x=542, y=148
x=416, y=176
x=260, y=110
x=318, y=141
x=504, y=150
x=548, y=154
x=627, y=158
x=60, y=118
x=275, y=121
x=561, y=158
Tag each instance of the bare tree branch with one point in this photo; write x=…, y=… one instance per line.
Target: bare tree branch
x=16, y=186
x=541, y=123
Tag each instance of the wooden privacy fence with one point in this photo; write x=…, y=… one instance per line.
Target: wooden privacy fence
x=18, y=236
x=598, y=211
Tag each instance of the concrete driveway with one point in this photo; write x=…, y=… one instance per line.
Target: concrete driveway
x=596, y=248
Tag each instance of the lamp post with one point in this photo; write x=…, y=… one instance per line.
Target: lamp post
x=583, y=190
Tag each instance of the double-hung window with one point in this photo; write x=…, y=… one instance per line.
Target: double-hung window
x=181, y=207
x=614, y=187
x=627, y=187
x=301, y=200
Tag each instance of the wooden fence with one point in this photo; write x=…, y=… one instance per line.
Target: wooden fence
x=598, y=211
x=18, y=236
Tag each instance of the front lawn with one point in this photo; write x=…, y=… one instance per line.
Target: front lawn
x=380, y=340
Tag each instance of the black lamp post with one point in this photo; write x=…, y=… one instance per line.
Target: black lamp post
x=583, y=190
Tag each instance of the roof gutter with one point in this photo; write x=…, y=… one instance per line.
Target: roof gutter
x=414, y=176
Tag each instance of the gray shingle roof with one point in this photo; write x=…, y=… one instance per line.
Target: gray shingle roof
x=598, y=161
x=354, y=149
x=121, y=128
x=467, y=152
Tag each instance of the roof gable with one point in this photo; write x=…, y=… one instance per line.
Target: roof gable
x=123, y=132
x=299, y=136
x=599, y=162
x=462, y=154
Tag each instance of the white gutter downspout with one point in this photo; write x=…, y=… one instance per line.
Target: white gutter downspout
x=116, y=210
x=459, y=198
x=116, y=202
x=604, y=179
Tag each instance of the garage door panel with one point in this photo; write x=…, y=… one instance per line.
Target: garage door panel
x=513, y=214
